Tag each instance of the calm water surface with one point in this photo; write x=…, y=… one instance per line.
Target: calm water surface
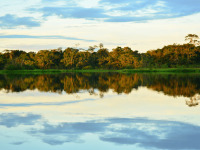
x=99, y=111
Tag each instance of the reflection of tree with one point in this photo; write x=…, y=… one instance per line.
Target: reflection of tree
x=71, y=83
x=174, y=85
x=193, y=101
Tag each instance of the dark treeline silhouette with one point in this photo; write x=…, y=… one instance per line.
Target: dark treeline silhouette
x=179, y=85
x=119, y=58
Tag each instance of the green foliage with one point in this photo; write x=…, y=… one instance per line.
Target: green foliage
x=171, y=56
x=12, y=67
x=18, y=67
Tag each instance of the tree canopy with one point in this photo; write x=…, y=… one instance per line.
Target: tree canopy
x=96, y=57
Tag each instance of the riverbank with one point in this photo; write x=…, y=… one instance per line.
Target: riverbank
x=163, y=70
x=142, y=70
x=51, y=71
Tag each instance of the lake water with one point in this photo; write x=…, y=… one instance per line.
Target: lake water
x=100, y=111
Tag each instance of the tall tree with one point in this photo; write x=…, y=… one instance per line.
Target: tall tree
x=70, y=58
x=193, y=39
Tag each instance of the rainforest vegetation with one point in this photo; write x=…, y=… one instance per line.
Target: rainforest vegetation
x=98, y=57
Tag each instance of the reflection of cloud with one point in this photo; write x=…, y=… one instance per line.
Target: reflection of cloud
x=45, y=103
x=68, y=132
x=12, y=120
x=18, y=143
x=57, y=141
x=147, y=133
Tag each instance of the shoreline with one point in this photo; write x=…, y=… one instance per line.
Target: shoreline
x=142, y=70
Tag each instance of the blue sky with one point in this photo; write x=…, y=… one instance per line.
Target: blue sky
x=139, y=24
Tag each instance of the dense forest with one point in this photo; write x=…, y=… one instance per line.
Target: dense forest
x=98, y=57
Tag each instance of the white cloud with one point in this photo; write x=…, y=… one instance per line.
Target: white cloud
x=81, y=23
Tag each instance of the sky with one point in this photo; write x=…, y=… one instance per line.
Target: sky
x=140, y=24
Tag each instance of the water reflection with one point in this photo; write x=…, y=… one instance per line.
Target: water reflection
x=170, y=84
x=193, y=101
x=147, y=133
x=12, y=120
x=41, y=112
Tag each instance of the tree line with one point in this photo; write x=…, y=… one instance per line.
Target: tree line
x=119, y=58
